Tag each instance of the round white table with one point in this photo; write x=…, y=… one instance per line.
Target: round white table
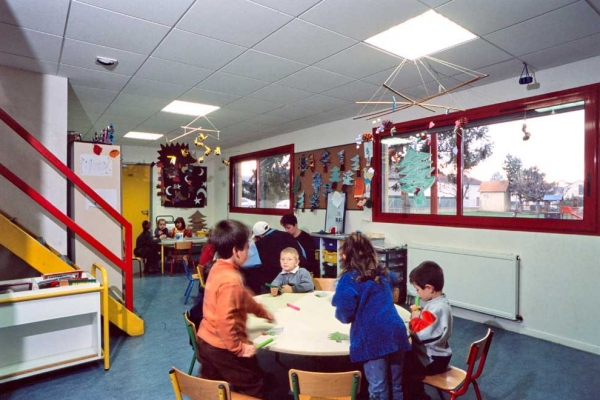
x=306, y=330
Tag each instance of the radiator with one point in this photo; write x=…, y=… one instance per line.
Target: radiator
x=484, y=282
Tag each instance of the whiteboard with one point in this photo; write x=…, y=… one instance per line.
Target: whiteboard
x=478, y=281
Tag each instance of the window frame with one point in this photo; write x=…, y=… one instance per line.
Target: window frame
x=275, y=151
x=588, y=226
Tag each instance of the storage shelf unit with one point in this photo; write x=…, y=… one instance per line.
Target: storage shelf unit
x=329, y=260
x=46, y=329
x=395, y=260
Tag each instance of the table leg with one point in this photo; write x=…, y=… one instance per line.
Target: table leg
x=162, y=259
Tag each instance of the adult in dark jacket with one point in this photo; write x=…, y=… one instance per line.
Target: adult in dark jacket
x=306, y=242
x=269, y=243
x=146, y=247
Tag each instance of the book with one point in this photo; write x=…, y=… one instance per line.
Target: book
x=74, y=274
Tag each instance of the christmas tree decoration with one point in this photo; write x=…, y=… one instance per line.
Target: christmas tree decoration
x=300, y=201
x=317, y=181
x=342, y=158
x=314, y=201
x=335, y=177
x=347, y=178
x=415, y=170
x=311, y=162
x=303, y=165
x=356, y=164
x=296, y=187
x=197, y=221
x=326, y=160
x=326, y=189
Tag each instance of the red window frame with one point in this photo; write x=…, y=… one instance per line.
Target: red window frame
x=287, y=149
x=590, y=223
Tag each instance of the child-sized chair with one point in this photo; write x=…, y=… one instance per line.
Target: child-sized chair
x=191, y=277
x=455, y=381
x=324, y=385
x=198, y=388
x=182, y=249
x=191, y=330
x=326, y=284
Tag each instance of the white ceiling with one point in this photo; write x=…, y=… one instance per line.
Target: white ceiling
x=274, y=66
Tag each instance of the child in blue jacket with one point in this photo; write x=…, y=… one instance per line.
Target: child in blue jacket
x=363, y=297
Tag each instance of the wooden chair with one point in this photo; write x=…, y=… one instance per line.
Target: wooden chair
x=337, y=385
x=181, y=250
x=200, y=276
x=191, y=330
x=192, y=278
x=140, y=262
x=326, y=284
x=202, y=389
x=455, y=381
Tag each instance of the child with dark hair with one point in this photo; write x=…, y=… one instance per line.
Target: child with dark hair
x=378, y=338
x=146, y=247
x=430, y=328
x=223, y=346
x=180, y=228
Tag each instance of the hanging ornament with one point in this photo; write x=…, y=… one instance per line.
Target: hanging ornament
x=200, y=160
x=526, y=135
x=225, y=162
x=217, y=151
x=358, y=141
x=208, y=151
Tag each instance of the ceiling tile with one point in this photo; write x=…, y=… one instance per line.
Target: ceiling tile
x=160, y=90
x=290, y=113
x=208, y=97
x=110, y=29
x=29, y=43
x=485, y=16
x=253, y=105
x=231, y=84
x=84, y=94
x=189, y=48
x=266, y=67
x=304, y=42
x=280, y=94
x=496, y=72
x=89, y=107
x=408, y=75
x=349, y=17
x=472, y=55
x=159, y=11
x=27, y=14
x=321, y=103
x=434, y=3
x=359, y=61
x=314, y=80
x=78, y=125
x=28, y=64
x=246, y=23
x=95, y=79
x=572, y=22
x=83, y=54
x=564, y=53
x=130, y=112
x=172, y=72
x=128, y=100
x=292, y=7
x=353, y=91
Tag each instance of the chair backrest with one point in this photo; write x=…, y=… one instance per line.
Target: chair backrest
x=200, y=276
x=327, y=284
x=184, y=245
x=198, y=388
x=191, y=330
x=477, y=355
x=168, y=218
x=340, y=385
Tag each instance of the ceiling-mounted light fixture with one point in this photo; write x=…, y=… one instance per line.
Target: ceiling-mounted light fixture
x=107, y=62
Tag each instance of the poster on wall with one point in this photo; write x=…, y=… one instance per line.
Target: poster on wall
x=184, y=186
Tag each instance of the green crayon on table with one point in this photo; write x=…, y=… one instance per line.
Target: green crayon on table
x=263, y=344
x=269, y=285
x=417, y=301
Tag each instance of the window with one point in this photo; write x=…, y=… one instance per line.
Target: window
x=522, y=165
x=260, y=182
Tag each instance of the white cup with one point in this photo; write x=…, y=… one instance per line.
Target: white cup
x=178, y=236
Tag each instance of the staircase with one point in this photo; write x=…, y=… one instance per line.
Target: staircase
x=47, y=260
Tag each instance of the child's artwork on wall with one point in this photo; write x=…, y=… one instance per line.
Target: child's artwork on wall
x=313, y=185
x=181, y=184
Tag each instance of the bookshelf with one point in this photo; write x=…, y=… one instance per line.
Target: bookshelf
x=46, y=329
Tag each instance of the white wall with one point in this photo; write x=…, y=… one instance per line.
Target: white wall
x=559, y=273
x=39, y=103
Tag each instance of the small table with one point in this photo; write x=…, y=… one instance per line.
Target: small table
x=170, y=242
x=305, y=331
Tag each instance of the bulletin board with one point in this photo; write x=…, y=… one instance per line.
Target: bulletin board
x=99, y=166
x=338, y=168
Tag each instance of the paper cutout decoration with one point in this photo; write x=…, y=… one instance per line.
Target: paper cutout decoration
x=348, y=178
x=303, y=165
x=300, y=201
x=184, y=188
x=97, y=150
x=368, y=148
x=355, y=164
x=338, y=336
x=334, y=178
x=311, y=162
x=314, y=201
x=416, y=170
x=173, y=151
x=197, y=221
x=359, y=188
x=326, y=160
x=336, y=199
x=326, y=189
x=342, y=158
x=296, y=187
x=114, y=153
x=317, y=181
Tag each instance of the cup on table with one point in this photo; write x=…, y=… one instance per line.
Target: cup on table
x=274, y=291
x=178, y=236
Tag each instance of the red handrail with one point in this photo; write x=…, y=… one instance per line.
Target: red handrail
x=125, y=264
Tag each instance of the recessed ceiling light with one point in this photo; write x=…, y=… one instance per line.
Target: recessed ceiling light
x=188, y=108
x=420, y=36
x=143, y=135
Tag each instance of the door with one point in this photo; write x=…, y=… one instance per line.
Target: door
x=136, y=196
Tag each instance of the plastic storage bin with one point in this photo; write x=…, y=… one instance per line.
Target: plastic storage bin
x=330, y=256
x=330, y=245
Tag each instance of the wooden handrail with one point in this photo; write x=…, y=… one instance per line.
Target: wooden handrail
x=123, y=264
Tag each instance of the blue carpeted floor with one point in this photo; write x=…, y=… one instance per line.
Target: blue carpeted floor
x=518, y=367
